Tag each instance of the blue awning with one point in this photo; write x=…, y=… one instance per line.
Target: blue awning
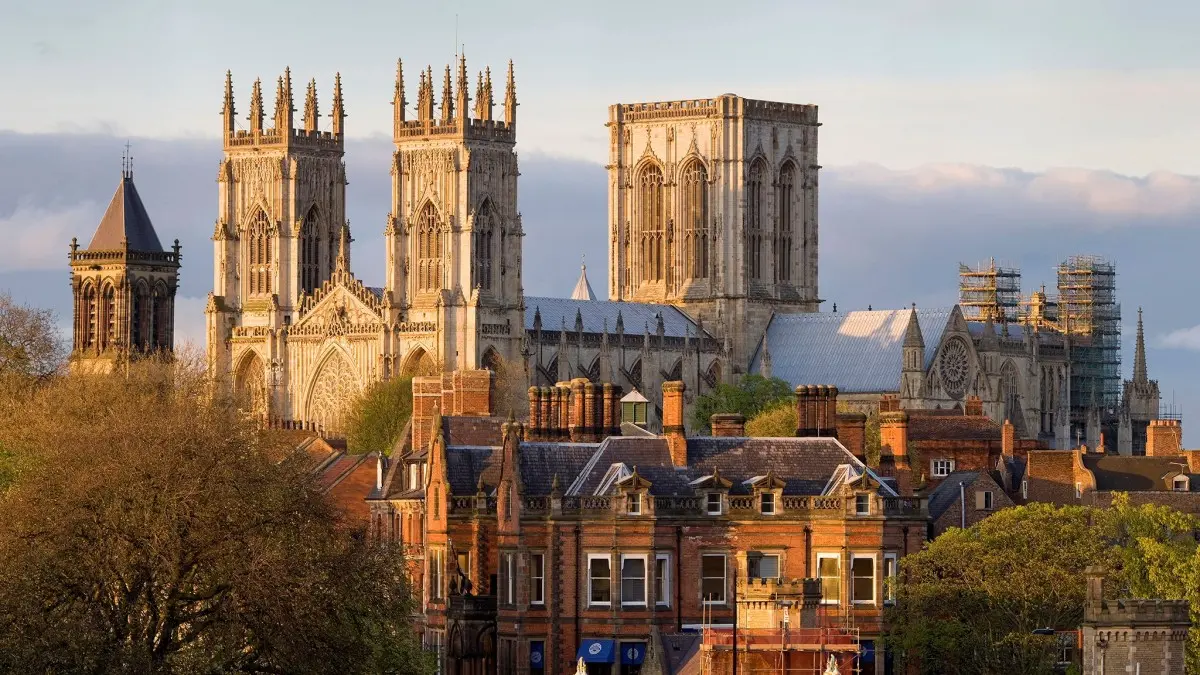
x=596, y=651
x=633, y=653
x=537, y=654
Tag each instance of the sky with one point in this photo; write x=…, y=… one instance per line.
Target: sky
x=952, y=132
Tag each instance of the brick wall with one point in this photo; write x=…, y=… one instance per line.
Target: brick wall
x=1051, y=476
x=975, y=512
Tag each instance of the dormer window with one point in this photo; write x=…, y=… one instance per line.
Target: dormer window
x=862, y=505
x=766, y=503
x=633, y=504
x=713, y=504
x=1180, y=484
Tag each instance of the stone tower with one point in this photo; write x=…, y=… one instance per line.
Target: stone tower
x=281, y=209
x=713, y=207
x=124, y=286
x=453, y=237
x=912, y=372
x=1139, y=401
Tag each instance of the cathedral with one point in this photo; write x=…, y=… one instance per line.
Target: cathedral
x=712, y=274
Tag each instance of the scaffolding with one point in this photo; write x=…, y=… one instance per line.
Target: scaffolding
x=1089, y=315
x=989, y=292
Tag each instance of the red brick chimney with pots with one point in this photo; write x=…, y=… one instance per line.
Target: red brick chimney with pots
x=1164, y=438
x=1008, y=439
x=673, y=422
x=728, y=424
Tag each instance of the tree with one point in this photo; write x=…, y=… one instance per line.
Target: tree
x=750, y=396
x=970, y=601
x=30, y=346
x=781, y=419
x=153, y=529
x=510, y=387
x=377, y=418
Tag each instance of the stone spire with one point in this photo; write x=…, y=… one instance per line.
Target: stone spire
x=228, y=112
x=310, y=108
x=583, y=289
x=1139, y=355
x=464, y=101
x=484, y=101
x=912, y=335
x=283, y=103
x=338, y=113
x=398, y=101
x=425, y=96
x=342, y=266
x=256, y=108
x=447, y=99
x=510, y=97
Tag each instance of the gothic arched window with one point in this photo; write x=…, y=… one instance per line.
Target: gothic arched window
x=756, y=208
x=162, y=317
x=258, y=243
x=483, y=236
x=139, y=327
x=783, y=223
x=695, y=220
x=110, y=318
x=1010, y=391
x=651, y=222
x=310, y=270
x=429, y=250
x=91, y=311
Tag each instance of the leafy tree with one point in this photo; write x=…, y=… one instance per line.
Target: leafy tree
x=30, y=346
x=750, y=396
x=510, y=387
x=775, y=422
x=375, y=421
x=155, y=530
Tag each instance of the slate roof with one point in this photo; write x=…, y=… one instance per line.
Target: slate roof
x=953, y=427
x=126, y=220
x=467, y=464
x=541, y=461
x=859, y=352
x=681, y=653
x=583, y=287
x=636, y=316
x=1135, y=474
x=946, y=493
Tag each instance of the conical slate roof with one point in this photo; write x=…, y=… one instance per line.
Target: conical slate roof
x=126, y=220
x=583, y=289
x=912, y=334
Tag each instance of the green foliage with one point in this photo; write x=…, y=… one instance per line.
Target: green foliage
x=775, y=422
x=377, y=418
x=969, y=601
x=154, y=529
x=750, y=396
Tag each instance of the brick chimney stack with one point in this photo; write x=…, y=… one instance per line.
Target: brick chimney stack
x=974, y=407
x=893, y=435
x=1164, y=438
x=1008, y=439
x=816, y=410
x=728, y=425
x=673, y=422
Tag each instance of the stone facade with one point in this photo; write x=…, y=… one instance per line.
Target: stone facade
x=1148, y=637
x=713, y=207
x=123, y=286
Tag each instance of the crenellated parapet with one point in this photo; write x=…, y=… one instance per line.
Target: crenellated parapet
x=283, y=132
x=457, y=118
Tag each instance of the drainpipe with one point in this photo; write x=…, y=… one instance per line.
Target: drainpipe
x=678, y=578
x=962, y=501
x=578, y=559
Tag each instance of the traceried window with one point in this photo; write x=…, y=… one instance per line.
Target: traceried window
x=429, y=250
x=92, y=311
x=139, y=325
x=162, y=316
x=484, y=252
x=310, y=270
x=756, y=208
x=110, y=317
x=694, y=181
x=783, y=222
x=651, y=223
x=258, y=242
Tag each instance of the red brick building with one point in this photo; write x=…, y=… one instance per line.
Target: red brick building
x=537, y=544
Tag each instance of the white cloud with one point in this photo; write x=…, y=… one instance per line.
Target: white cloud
x=1184, y=338
x=36, y=237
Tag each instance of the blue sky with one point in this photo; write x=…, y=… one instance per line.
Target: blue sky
x=952, y=131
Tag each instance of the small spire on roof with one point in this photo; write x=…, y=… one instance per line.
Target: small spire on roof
x=583, y=288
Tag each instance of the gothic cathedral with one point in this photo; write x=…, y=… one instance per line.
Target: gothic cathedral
x=289, y=326
x=123, y=285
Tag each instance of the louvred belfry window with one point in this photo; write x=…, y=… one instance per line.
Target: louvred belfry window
x=756, y=207
x=783, y=223
x=651, y=223
x=429, y=250
x=258, y=243
x=484, y=233
x=695, y=220
x=310, y=271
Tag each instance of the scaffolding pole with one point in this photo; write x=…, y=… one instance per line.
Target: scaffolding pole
x=1090, y=316
x=989, y=291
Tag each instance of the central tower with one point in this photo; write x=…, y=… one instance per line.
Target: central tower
x=453, y=236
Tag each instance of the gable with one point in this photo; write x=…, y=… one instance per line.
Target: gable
x=339, y=311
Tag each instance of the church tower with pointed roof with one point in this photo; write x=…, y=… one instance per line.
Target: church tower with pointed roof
x=124, y=286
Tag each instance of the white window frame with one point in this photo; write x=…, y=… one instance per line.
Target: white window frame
x=510, y=574
x=645, y=579
x=934, y=464
x=662, y=582
x=859, y=500
x=633, y=503
x=874, y=578
x=607, y=558
x=708, y=504
x=989, y=500
x=891, y=572
x=537, y=579
x=1180, y=484
x=764, y=554
x=724, y=579
x=437, y=573
x=836, y=557
x=763, y=498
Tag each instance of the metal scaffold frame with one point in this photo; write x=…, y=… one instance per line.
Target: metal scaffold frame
x=989, y=291
x=1089, y=314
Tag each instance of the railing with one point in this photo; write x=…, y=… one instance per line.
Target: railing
x=676, y=505
x=536, y=504
x=685, y=505
x=741, y=504
x=904, y=506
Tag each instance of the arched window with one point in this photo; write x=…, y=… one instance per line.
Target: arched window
x=695, y=220
x=91, y=311
x=259, y=248
x=756, y=208
x=162, y=317
x=110, y=318
x=483, y=246
x=1010, y=391
x=139, y=327
x=651, y=223
x=429, y=250
x=310, y=270
x=783, y=223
